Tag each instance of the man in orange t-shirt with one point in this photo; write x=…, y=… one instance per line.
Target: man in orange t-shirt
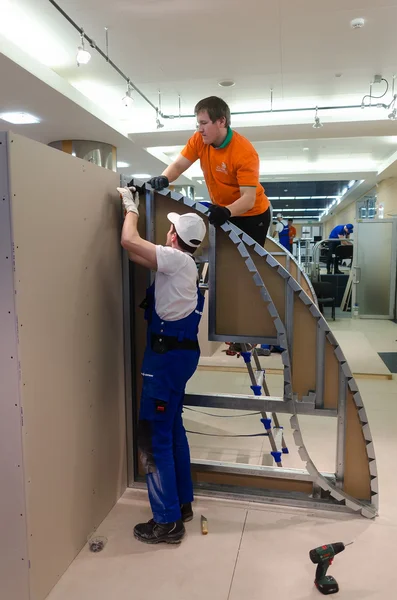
x=292, y=232
x=230, y=165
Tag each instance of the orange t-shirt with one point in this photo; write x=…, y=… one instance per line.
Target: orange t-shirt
x=292, y=233
x=233, y=165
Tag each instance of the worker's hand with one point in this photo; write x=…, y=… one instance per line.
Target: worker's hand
x=218, y=215
x=159, y=183
x=130, y=199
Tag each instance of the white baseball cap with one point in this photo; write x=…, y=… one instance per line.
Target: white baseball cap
x=190, y=227
x=279, y=215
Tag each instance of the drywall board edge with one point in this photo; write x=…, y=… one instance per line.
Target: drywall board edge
x=14, y=563
x=66, y=217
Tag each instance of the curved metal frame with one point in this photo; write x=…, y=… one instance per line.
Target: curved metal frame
x=242, y=240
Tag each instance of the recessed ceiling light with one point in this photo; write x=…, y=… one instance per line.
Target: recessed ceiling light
x=305, y=149
x=122, y=165
x=226, y=83
x=139, y=175
x=357, y=23
x=19, y=118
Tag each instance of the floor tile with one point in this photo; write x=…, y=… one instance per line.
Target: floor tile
x=201, y=567
x=274, y=559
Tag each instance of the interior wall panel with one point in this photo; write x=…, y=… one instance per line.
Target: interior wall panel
x=14, y=562
x=66, y=231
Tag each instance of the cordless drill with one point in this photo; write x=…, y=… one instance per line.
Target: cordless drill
x=323, y=557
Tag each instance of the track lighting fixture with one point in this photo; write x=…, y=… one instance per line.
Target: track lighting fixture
x=128, y=100
x=83, y=56
x=317, y=123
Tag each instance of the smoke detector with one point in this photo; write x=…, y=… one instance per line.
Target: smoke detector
x=357, y=23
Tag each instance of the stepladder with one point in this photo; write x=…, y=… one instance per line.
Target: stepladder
x=259, y=386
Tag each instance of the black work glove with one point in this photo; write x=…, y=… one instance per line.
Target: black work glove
x=159, y=183
x=218, y=215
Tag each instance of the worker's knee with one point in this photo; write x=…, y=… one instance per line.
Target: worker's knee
x=145, y=446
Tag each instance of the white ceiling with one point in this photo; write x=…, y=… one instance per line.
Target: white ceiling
x=185, y=47
x=295, y=47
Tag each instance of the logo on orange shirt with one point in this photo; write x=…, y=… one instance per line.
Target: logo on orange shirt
x=222, y=168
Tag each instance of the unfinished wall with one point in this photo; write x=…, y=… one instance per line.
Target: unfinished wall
x=66, y=227
x=387, y=195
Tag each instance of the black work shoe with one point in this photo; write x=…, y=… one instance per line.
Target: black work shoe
x=187, y=512
x=155, y=533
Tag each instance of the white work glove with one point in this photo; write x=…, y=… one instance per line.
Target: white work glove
x=130, y=199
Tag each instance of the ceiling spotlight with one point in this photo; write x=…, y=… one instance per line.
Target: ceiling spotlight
x=83, y=56
x=226, y=83
x=357, y=23
x=128, y=100
x=393, y=115
x=317, y=123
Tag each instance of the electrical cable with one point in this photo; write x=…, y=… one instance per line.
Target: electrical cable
x=228, y=436
x=372, y=97
x=202, y=412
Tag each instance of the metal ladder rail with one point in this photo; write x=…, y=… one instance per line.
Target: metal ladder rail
x=276, y=441
x=261, y=377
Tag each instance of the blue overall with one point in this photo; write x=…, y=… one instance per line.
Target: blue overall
x=162, y=440
x=283, y=237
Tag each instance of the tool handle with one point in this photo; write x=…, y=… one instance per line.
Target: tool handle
x=322, y=569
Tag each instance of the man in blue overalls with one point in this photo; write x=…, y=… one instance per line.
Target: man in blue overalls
x=282, y=228
x=340, y=232
x=173, y=309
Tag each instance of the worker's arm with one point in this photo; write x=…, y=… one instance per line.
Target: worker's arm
x=218, y=215
x=175, y=170
x=139, y=250
x=244, y=203
x=344, y=238
x=277, y=229
x=171, y=173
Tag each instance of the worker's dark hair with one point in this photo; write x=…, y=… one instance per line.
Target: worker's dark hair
x=292, y=220
x=182, y=245
x=215, y=107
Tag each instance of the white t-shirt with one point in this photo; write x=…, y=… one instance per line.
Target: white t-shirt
x=175, y=288
x=280, y=225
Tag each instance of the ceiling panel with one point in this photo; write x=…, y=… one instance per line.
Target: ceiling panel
x=311, y=44
x=359, y=7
